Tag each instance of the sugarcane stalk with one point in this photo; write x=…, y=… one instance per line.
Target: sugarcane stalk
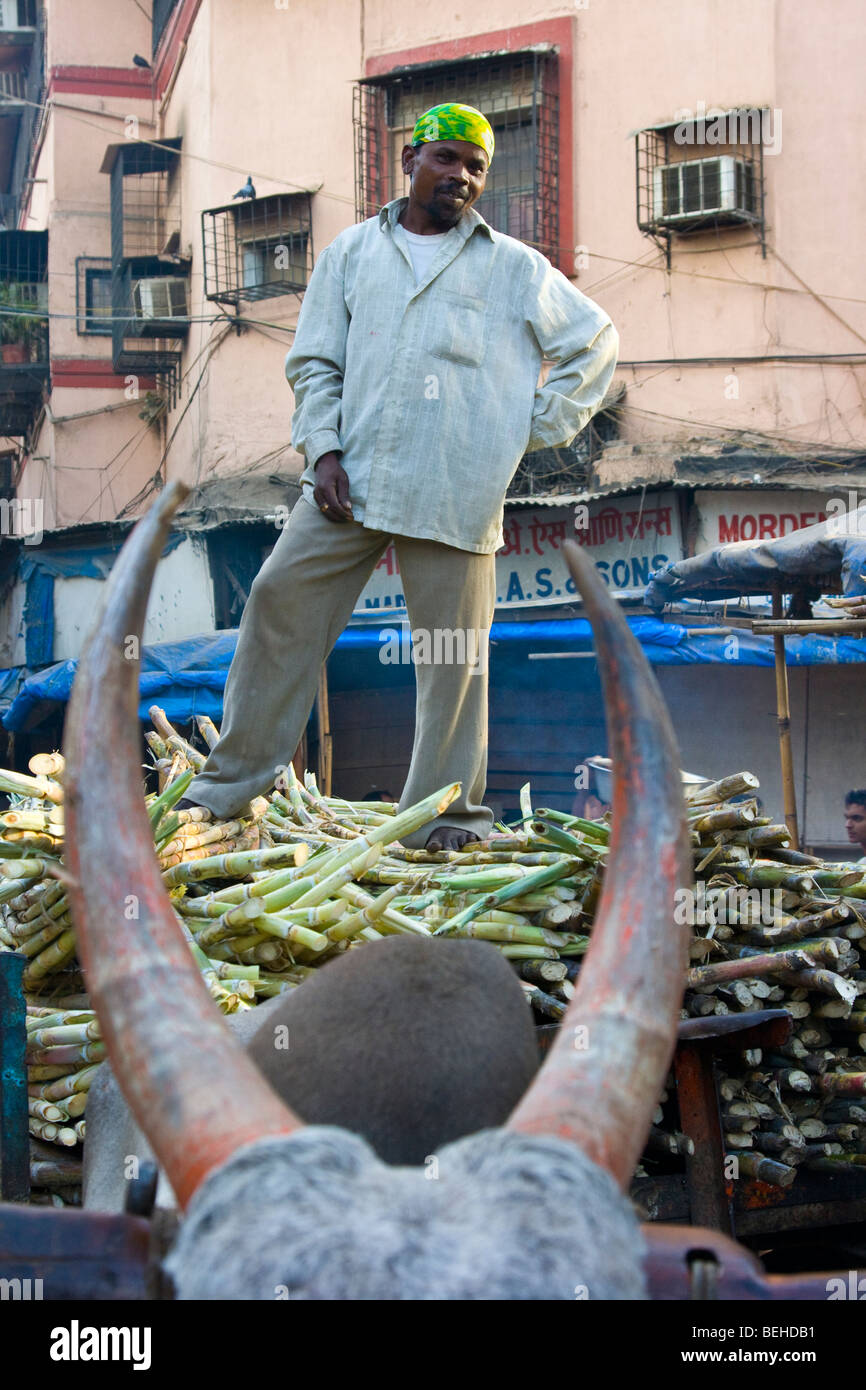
x=592, y=829
x=167, y=799
x=370, y=913
x=46, y=1110
x=210, y=909
x=32, y=842
x=55, y=1173
x=35, y=942
x=60, y=1035
x=358, y=897
x=76, y=1105
x=269, y=989
x=230, y=865
x=196, y=837
x=664, y=1145
x=19, y=784
x=563, y=839
x=52, y=1133
x=325, y=884
x=723, y=790
x=497, y=931
x=543, y=973
x=79, y=1053
x=52, y=1073
x=34, y=869
x=538, y=878
x=800, y=958
x=14, y=887
x=544, y=1003
x=43, y=1016
x=725, y=818
x=50, y=959
x=763, y=1169
x=522, y=952
x=796, y=928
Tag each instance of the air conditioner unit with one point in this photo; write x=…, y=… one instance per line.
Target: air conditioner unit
x=163, y=297
x=721, y=187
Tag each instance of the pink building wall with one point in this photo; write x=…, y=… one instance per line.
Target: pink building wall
x=267, y=90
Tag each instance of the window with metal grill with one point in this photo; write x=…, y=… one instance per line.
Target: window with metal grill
x=93, y=294
x=519, y=96
x=147, y=311
x=701, y=175
x=257, y=248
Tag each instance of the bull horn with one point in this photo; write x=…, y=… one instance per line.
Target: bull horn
x=192, y=1090
x=602, y=1079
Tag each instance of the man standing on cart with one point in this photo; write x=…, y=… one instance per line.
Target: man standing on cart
x=416, y=373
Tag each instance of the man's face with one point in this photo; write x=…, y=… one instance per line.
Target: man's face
x=855, y=823
x=448, y=176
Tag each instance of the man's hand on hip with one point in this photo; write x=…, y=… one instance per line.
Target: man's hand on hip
x=331, y=493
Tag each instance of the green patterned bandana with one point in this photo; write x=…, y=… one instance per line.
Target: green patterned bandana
x=451, y=121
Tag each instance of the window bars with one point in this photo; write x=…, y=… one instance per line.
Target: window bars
x=149, y=284
x=145, y=199
x=518, y=94
x=701, y=175
x=257, y=248
x=93, y=294
x=24, y=296
x=23, y=328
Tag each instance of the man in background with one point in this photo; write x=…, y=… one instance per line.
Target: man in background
x=855, y=820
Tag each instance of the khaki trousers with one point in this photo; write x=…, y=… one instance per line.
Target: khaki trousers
x=299, y=604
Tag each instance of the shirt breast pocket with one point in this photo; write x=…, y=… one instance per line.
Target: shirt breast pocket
x=459, y=324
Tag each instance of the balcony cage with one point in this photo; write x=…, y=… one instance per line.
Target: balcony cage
x=24, y=360
x=257, y=248
x=147, y=315
x=519, y=94
x=21, y=110
x=13, y=87
x=701, y=175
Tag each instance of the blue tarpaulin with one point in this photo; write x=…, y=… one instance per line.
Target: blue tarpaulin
x=187, y=677
x=833, y=550
x=39, y=569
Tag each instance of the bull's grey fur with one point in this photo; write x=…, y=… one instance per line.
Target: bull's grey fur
x=317, y=1215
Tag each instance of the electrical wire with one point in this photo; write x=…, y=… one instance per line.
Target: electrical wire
x=53, y=104
x=343, y=198
x=156, y=478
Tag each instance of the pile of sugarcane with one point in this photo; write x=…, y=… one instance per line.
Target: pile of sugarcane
x=775, y=928
x=299, y=877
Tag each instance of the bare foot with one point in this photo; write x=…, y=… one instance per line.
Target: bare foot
x=449, y=837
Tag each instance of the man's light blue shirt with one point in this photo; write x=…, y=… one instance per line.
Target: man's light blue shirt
x=431, y=390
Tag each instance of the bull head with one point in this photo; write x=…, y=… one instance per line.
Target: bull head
x=193, y=1090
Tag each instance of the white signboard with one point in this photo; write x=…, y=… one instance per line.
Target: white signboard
x=755, y=515
x=626, y=537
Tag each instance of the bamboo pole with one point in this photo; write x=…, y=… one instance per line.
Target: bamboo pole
x=325, y=741
x=783, y=714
